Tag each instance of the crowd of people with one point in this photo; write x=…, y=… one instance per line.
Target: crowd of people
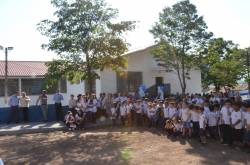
x=214, y=116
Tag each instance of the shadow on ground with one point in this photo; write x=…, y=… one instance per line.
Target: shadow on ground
x=73, y=148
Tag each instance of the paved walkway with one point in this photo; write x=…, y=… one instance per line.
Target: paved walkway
x=14, y=129
x=22, y=128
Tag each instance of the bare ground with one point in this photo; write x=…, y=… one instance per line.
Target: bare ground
x=113, y=146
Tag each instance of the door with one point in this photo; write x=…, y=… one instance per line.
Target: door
x=159, y=81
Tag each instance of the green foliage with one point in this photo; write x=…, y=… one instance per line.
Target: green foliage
x=179, y=33
x=222, y=61
x=86, y=38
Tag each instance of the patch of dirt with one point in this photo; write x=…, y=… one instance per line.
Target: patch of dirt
x=113, y=146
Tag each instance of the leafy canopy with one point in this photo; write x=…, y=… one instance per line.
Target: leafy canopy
x=179, y=34
x=86, y=37
x=222, y=63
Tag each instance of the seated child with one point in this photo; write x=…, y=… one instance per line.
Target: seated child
x=70, y=121
x=79, y=117
x=177, y=127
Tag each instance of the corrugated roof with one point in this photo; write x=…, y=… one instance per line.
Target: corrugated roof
x=24, y=68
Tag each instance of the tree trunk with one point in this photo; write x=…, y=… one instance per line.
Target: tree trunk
x=183, y=77
x=89, y=76
x=217, y=87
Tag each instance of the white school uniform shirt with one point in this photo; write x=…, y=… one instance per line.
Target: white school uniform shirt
x=166, y=112
x=172, y=112
x=178, y=126
x=212, y=119
x=151, y=112
x=123, y=110
x=235, y=117
x=113, y=111
x=144, y=107
x=206, y=110
x=247, y=118
x=199, y=101
x=202, y=121
x=195, y=116
x=138, y=108
x=185, y=115
x=225, y=115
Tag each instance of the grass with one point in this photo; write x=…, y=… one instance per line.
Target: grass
x=126, y=154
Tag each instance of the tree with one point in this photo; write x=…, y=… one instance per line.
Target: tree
x=86, y=38
x=179, y=33
x=223, y=64
x=246, y=65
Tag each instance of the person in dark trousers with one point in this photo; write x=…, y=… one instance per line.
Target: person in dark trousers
x=225, y=114
x=43, y=99
x=14, y=103
x=58, y=98
x=24, y=106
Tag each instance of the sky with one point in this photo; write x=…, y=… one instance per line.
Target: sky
x=229, y=19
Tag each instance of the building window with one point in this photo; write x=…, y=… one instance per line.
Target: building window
x=129, y=81
x=35, y=86
x=32, y=86
x=12, y=86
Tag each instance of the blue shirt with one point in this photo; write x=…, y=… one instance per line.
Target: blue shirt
x=58, y=98
x=13, y=101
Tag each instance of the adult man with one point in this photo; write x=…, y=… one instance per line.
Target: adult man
x=58, y=98
x=13, y=103
x=24, y=106
x=43, y=99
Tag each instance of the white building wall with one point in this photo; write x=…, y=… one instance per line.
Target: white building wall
x=143, y=61
x=107, y=81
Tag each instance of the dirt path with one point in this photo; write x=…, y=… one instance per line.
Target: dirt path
x=117, y=146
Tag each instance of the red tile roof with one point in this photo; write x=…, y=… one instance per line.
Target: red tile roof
x=23, y=68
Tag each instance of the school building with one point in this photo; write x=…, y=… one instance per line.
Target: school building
x=141, y=69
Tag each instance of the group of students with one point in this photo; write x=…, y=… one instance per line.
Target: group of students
x=216, y=116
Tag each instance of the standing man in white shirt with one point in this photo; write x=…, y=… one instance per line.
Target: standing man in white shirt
x=58, y=98
x=24, y=106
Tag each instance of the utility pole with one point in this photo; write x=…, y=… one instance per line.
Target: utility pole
x=6, y=76
x=6, y=49
x=248, y=70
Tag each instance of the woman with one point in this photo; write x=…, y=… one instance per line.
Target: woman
x=24, y=106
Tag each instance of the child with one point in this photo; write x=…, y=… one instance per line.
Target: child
x=177, y=127
x=138, y=113
x=70, y=121
x=123, y=112
x=113, y=113
x=185, y=116
x=152, y=114
x=202, y=125
x=237, y=123
x=79, y=117
x=225, y=114
x=213, y=117
x=247, y=127
x=195, y=120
